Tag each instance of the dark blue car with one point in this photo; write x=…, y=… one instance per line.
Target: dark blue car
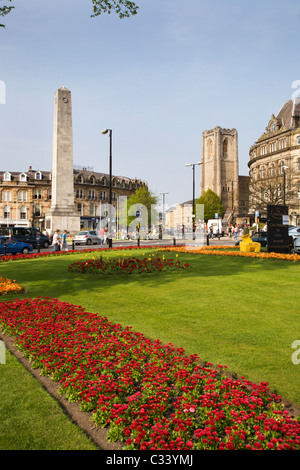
x=13, y=246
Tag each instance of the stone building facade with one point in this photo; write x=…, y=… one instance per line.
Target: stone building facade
x=25, y=197
x=274, y=164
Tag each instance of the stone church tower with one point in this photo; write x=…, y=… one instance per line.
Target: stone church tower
x=219, y=170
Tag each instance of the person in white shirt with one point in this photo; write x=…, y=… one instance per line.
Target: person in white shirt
x=56, y=241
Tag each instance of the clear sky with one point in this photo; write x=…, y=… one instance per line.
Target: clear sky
x=158, y=80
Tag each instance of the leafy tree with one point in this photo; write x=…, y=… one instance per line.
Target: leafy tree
x=212, y=205
x=123, y=8
x=140, y=199
x=4, y=11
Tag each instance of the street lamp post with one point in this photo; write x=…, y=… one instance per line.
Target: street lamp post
x=109, y=240
x=284, y=182
x=193, y=207
x=163, y=213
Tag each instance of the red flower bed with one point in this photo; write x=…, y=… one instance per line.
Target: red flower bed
x=127, y=266
x=150, y=395
x=45, y=254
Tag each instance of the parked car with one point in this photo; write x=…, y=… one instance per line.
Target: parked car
x=88, y=237
x=260, y=237
x=14, y=246
x=294, y=232
x=297, y=245
x=30, y=235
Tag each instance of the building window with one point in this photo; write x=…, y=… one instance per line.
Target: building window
x=79, y=193
x=92, y=194
x=272, y=170
x=50, y=194
x=37, y=194
x=102, y=196
x=92, y=180
x=7, y=176
x=282, y=164
x=38, y=175
x=225, y=148
x=6, y=212
x=80, y=179
x=262, y=172
x=273, y=127
x=23, y=177
x=23, y=213
x=298, y=140
x=210, y=148
x=104, y=182
x=79, y=207
x=92, y=210
x=22, y=196
x=37, y=210
x=7, y=196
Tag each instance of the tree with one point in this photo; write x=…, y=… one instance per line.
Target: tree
x=4, y=11
x=123, y=8
x=269, y=189
x=142, y=198
x=212, y=205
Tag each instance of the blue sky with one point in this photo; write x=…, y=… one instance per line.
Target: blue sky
x=158, y=80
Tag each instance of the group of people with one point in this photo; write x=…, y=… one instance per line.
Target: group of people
x=235, y=231
x=59, y=241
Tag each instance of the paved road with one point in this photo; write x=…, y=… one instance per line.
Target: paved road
x=164, y=242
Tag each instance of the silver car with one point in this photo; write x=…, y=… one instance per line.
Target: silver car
x=297, y=245
x=87, y=237
x=294, y=232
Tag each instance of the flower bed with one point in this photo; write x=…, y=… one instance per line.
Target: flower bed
x=224, y=251
x=149, y=395
x=7, y=286
x=45, y=254
x=125, y=266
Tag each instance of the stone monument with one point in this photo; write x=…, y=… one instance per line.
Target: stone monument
x=62, y=214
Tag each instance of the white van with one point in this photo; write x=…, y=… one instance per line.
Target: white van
x=219, y=227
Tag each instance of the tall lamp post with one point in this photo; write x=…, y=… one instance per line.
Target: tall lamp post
x=163, y=213
x=193, y=207
x=109, y=240
x=284, y=182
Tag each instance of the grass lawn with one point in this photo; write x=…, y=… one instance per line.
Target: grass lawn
x=30, y=418
x=238, y=312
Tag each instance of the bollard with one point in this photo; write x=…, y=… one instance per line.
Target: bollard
x=207, y=240
x=4, y=248
x=174, y=241
x=38, y=247
x=138, y=241
x=73, y=245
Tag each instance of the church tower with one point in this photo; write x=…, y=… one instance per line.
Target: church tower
x=219, y=170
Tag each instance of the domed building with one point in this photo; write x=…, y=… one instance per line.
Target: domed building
x=274, y=165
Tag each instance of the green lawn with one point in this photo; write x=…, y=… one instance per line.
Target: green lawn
x=30, y=418
x=239, y=312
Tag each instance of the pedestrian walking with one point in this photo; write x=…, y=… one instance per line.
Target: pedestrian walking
x=63, y=241
x=236, y=231
x=56, y=241
x=101, y=234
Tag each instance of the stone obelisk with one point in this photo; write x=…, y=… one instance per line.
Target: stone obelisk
x=62, y=214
